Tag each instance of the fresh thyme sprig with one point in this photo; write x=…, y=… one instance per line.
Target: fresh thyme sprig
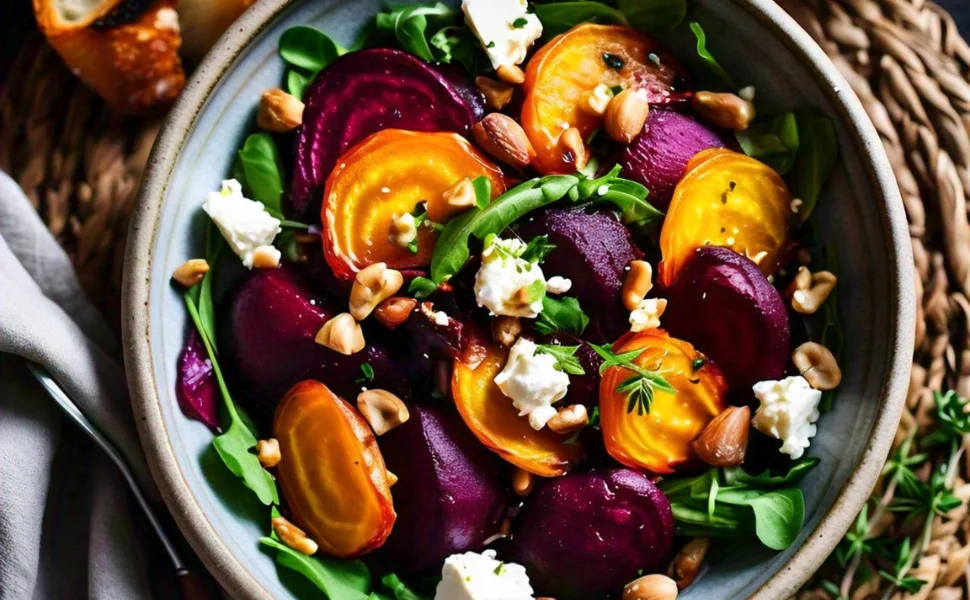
x=639, y=389
x=565, y=356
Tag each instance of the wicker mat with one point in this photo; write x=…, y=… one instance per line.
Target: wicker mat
x=904, y=58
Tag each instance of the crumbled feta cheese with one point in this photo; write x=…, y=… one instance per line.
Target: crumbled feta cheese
x=474, y=576
x=747, y=93
x=403, y=230
x=647, y=315
x=533, y=382
x=788, y=411
x=505, y=283
x=245, y=223
x=505, y=28
x=558, y=285
x=599, y=99
x=441, y=318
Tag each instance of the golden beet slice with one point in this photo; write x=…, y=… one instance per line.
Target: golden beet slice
x=332, y=473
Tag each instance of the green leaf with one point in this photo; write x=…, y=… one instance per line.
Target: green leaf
x=778, y=516
x=817, y=154
x=260, y=163
x=560, y=17
x=338, y=579
x=452, y=249
x=775, y=143
x=456, y=44
x=565, y=356
x=422, y=287
x=416, y=29
x=537, y=249
x=640, y=387
x=771, y=479
x=483, y=191
x=561, y=314
x=653, y=15
x=214, y=243
x=308, y=48
x=397, y=587
x=709, y=61
x=629, y=197
x=535, y=291
x=297, y=83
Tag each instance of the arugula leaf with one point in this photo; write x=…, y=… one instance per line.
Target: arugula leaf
x=458, y=44
x=452, y=249
x=397, y=587
x=641, y=386
x=431, y=31
x=565, y=356
x=343, y=579
x=559, y=17
x=817, y=154
x=202, y=294
x=653, y=15
x=308, y=48
x=537, y=249
x=712, y=65
x=422, y=287
x=629, y=197
x=235, y=444
x=259, y=161
x=561, y=314
x=766, y=479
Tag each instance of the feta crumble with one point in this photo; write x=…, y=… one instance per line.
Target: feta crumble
x=504, y=27
x=474, y=576
x=788, y=411
x=504, y=281
x=647, y=315
x=245, y=223
x=558, y=285
x=533, y=382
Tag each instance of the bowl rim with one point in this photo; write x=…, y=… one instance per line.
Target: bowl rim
x=143, y=229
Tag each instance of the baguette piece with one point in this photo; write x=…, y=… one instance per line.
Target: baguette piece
x=126, y=50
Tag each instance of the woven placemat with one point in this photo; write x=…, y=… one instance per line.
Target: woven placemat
x=905, y=59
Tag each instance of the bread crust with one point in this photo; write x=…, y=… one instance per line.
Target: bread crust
x=134, y=66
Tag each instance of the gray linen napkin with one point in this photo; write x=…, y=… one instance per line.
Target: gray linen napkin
x=65, y=527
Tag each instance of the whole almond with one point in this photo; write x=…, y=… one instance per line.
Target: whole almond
x=573, y=148
x=626, y=115
x=725, y=439
x=723, y=109
x=395, y=310
x=504, y=139
x=497, y=93
x=279, y=112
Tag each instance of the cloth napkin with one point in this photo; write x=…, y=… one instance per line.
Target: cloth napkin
x=66, y=526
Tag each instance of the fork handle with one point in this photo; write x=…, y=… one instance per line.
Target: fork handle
x=196, y=585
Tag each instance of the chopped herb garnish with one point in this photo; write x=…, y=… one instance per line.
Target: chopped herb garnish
x=490, y=45
x=520, y=23
x=565, y=356
x=639, y=389
x=613, y=61
x=367, y=372
x=500, y=568
x=535, y=291
x=616, y=89
x=483, y=191
x=697, y=364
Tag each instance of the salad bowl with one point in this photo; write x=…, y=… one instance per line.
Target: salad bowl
x=859, y=217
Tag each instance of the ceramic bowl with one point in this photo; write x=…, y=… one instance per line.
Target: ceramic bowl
x=861, y=215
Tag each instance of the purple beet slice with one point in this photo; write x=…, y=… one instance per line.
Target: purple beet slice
x=450, y=494
x=586, y=535
x=658, y=157
x=593, y=251
x=269, y=344
x=365, y=92
x=723, y=305
x=196, y=388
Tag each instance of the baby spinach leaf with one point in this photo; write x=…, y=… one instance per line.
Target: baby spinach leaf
x=297, y=83
x=261, y=168
x=778, y=517
x=712, y=65
x=817, y=154
x=432, y=31
x=561, y=314
x=452, y=249
x=767, y=479
x=422, y=287
x=653, y=15
x=457, y=44
x=397, y=587
x=774, y=143
x=559, y=17
x=338, y=579
x=308, y=48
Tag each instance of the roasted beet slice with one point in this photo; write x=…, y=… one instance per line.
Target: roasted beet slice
x=659, y=155
x=195, y=388
x=592, y=250
x=450, y=495
x=586, y=535
x=269, y=342
x=365, y=92
x=724, y=305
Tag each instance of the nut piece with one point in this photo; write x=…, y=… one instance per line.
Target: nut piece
x=810, y=290
x=522, y=482
x=266, y=257
x=395, y=310
x=461, y=195
x=511, y=74
x=636, y=286
x=598, y=100
x=505, y=329
x=391, y=479
x=725, y=439
x=402, y=230
x=268, y=452
x=569, y=419
x=191, y=272
x=382, y=409
x=500, y=136
x=817, y=365
x=626, y=115
x=293, y=536
x=724, y=109
x=341, y=334
x=279, y=112
x=373, y=285
x=497, y=93
x=573, y=147
x=688, y=561
x=651, y=587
